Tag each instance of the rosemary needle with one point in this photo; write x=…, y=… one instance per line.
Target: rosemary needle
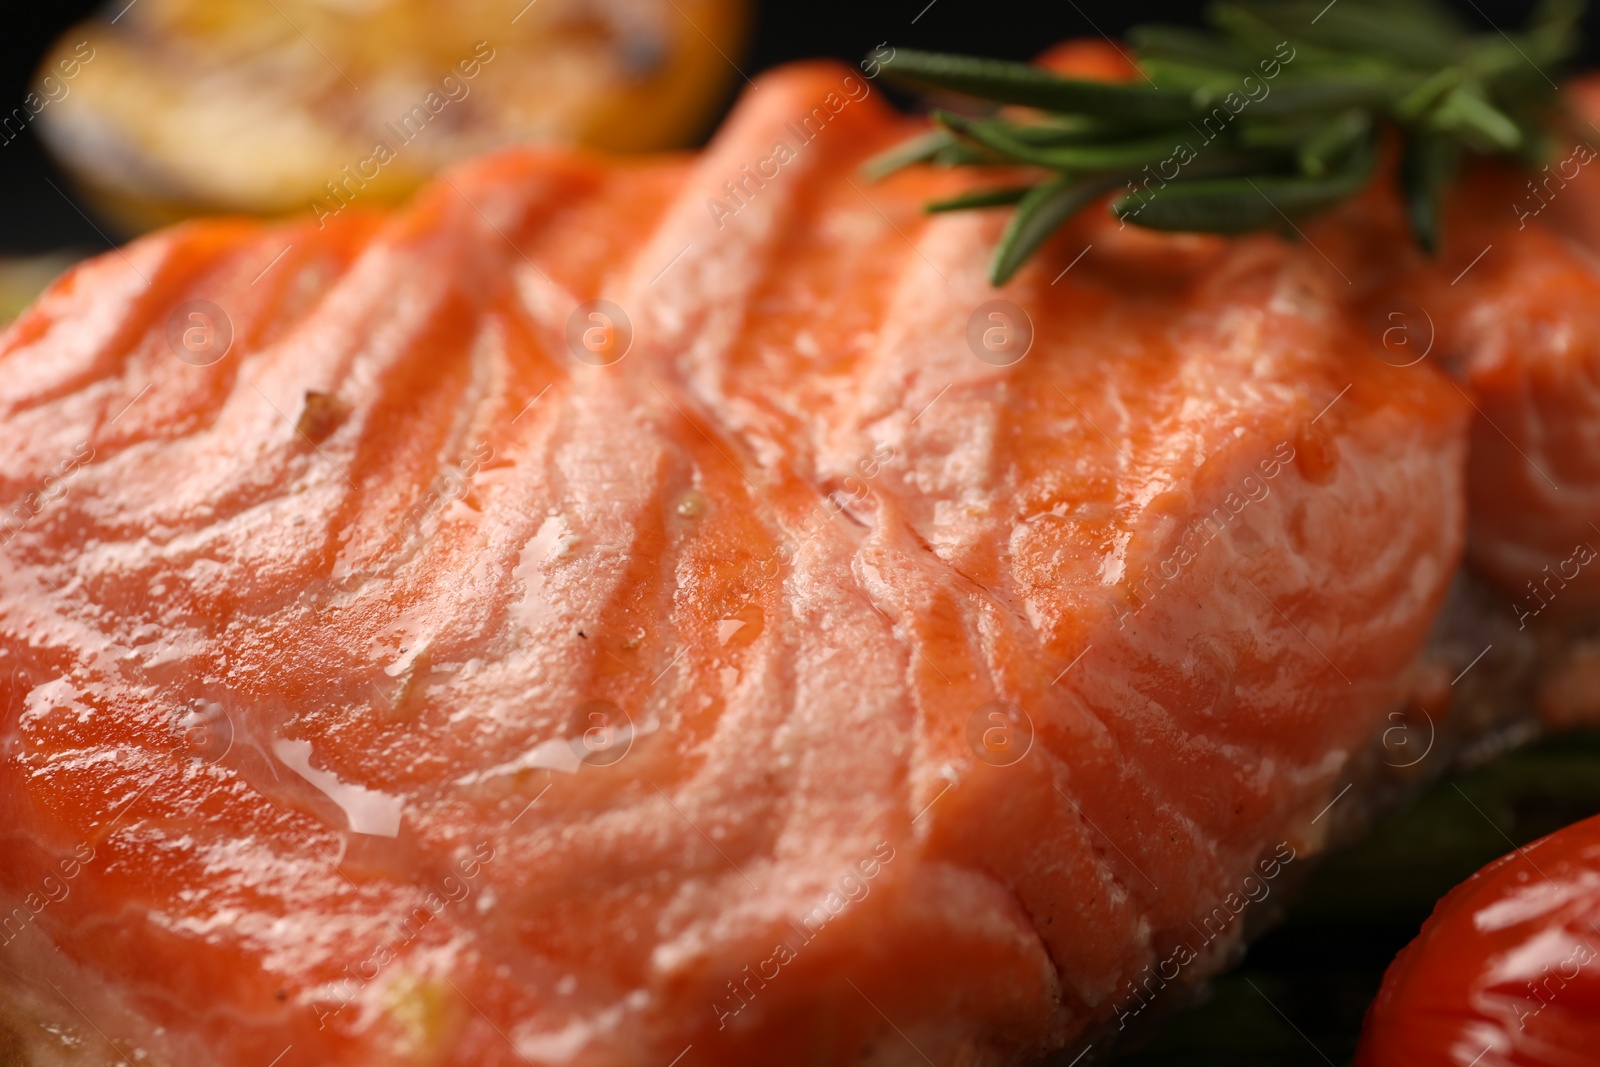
x=1273, y=112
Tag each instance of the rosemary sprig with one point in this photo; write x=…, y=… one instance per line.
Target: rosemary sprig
x=1274, y=112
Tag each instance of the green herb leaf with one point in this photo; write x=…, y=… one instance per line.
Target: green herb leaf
x=1426, y=167
x=1181, y=42
x=919, y=149
x=1019, y=83
x=1235, y=205
x=1119, y=155
x=1000, y=197
x=1468, y=111
x=1320, y=151
x=1274, y=113
x=1044, y=209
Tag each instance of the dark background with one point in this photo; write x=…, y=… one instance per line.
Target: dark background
x=36, y=218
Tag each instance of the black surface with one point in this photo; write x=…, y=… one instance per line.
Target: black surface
x=1299, y=998
x=35, y=217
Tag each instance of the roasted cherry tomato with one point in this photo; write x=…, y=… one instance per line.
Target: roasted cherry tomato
x=1506, y=972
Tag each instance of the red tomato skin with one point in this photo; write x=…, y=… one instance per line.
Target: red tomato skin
x=1506, y=972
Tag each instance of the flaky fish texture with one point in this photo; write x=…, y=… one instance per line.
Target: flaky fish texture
x=615, y=611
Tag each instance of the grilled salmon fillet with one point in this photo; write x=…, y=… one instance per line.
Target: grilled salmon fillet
x=798, y=658
x=1508, y=306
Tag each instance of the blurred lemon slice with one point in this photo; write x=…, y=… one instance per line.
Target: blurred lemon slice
x=169, y=108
